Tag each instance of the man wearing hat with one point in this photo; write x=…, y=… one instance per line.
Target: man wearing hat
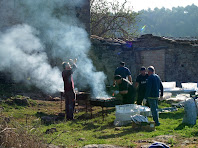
x=141, y=85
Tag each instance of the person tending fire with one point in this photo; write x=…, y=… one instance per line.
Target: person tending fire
x=126, y=89
x=70, y=97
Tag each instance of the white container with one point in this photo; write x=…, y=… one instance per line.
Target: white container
x=124, y=112
x=189, y=86
x=169, y=85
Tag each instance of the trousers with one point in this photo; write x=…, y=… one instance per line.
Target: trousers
x=153, y=103
x=70, y=99
x=141, y=96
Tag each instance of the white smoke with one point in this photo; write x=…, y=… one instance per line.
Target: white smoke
x=22, y=52
x=49, y=29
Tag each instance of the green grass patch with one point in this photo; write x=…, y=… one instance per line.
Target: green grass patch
x=85, y=130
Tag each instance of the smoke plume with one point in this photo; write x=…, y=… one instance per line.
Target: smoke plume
x=22, y=52
x=46, y=30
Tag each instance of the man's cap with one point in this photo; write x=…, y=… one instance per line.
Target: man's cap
x=142, y=68
x=122, y=63
x=117, y=77
x=151, y=68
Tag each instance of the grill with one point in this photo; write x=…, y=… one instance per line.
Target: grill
x=104, y=102
x=99, y=101
x=84, y=96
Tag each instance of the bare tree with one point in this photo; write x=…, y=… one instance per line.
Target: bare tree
x=112, y=19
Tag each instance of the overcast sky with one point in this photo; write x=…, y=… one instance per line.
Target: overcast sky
x=145, y=4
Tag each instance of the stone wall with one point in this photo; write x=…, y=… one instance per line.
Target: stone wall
x=174, y=60
x=155, y=58
x=106, y=56
x=181, y=64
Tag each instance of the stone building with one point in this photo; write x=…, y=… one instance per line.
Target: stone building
x=174, y=59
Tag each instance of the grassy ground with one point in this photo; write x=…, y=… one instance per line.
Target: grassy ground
x=84, y=130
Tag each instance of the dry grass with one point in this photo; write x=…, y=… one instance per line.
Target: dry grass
x=17, y=137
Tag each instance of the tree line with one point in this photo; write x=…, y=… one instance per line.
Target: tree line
x=178, y=22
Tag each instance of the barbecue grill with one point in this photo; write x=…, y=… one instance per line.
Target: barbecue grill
x=104, y=102
x=97, y=101
x=84, y=96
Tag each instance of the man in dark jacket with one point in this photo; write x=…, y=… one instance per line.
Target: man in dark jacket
x=154, y=84
x=70, y=96
x=141, y=85
x=125, y=89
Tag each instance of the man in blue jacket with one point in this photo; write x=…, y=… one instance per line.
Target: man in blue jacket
x=154, y=84
x=123, y=71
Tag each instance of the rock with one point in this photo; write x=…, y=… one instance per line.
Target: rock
x=52, y=146
x=50, y=131
x=56, y=99
x=50, y=98
x=21, y=101
x=144, y=141
x=164, y=138
x=101, y=146
x=145, y=146
x=47, y=120
x=118, y=128
x=91, y=146
x=185, y=142
x=81, y=139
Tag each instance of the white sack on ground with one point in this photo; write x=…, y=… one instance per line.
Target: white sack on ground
x=190, y=115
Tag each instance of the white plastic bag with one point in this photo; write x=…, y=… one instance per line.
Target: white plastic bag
x=124, y=112
x=190, y=110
